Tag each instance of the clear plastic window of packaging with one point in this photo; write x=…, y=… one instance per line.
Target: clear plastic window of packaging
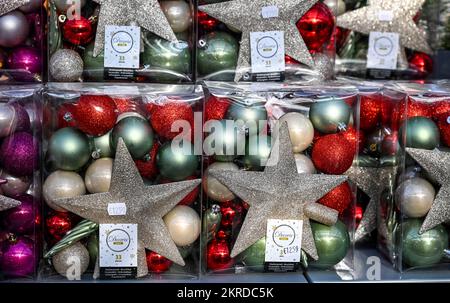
x=278, y=152
x=22, y=41
x=229, y=47
x=20, y=195
x=414, y=213
x=386, y=39
x=121, y=41
x=120, y=158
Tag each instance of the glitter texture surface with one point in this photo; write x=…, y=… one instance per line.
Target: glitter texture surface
x=437, y=164
x=280, y=193
x=246, y=16
x=7, y=6
x=66, y=65
x=7, y=203
x=146, y=206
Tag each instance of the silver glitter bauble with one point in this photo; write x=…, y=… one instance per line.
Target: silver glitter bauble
x=66, y=65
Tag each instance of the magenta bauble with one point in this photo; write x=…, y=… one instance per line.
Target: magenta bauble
x=19, y=154
x=18, y=257
x=21, y=219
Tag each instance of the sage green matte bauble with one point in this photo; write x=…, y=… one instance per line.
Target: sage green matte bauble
x=176, y=164
x=217, y=51
x=223, y=142
x=332, y=243
x=421, y=250
x=257, y=152
x=330, y=116
x=254, y=256
x=137, y=135
x=92, y=246
x=253, y=116
x=101, y=146
x=69, y=149
x=93, y=66
x=421, y=132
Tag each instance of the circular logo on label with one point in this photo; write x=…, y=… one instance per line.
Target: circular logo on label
x=383, y=46
x=122, y=42
x=283, y=235
x=267, y=47
x=118, y=240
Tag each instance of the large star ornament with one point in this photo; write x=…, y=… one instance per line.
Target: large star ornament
x=7, y=203
x=7, y=6
x=437, y=164
x=145, y=13
x=146, y=207
x=280, y=193
x=246, y=16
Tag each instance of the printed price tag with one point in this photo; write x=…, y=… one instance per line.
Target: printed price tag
x=385, y=15
x=271, y=11
x=383, y=50
x=117, y=209
x=267, y=53
x=122, y=46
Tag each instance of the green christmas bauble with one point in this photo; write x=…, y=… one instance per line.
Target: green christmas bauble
x=332, y=243
x=185, y=251
x=137, y=135
x=92, y=246
x=253, y=117
x=69, y=149
x=93, y=66
x=176, y=164
x=257, y=152
x=426, y=249
x=421, y=132
x=101, y=146
x=329, y=117
x=222, y=142
x=218, y=51
x=254, y=256
x=172, y=57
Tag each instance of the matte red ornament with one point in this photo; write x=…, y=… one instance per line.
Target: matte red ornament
x=333, y=154
x=66, y=116
x=339, y=198
x=216, y=108
x=78, y=31
x=370, y=111
x=218, y=255
x=206, y=22
x=148, y=168
x=164, y=115
x=444, y=128
x=57, y=225
x=441, y=110
x=96, y=115
x=157, y=263
x=316, y=26
x=421, y=63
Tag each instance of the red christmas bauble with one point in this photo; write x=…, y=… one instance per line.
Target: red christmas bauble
x=358, y=214
x=444, y=127
x=341, y=36
x=148, y=168
x=66, y=115
x=218, y=255
x=339, y=198
x=441, y=110
x=390, y=109
x=333, y=154
x=223, y=234
x=415, y=109
x=370, y=111
x=157, y=263
x=206, y=22
x=232, y=213
x=216, y=108
x=290, y=61
x=96, y=115
x=126, y=105
x=57, y=225
x=164, y=115
x=316, y=26
x=78, y=31
x=390, y=145
x=421, y=63
x=356, y=138
x=191, y=197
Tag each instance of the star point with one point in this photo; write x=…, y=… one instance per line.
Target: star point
x=7, y=6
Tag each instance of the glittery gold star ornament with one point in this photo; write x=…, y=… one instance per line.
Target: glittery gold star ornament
x=246, y=16
x=145, y=13
x=7, y=6
x=146, y=206
x=437, y=164
x=369, y=19
x=280, y=193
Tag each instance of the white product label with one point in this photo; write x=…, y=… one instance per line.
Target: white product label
x=118, y=245
x=283, y=240
x=117, y=209
x=271, y=11
x=267, y=52
x=383, y=50
x=122, y=46
x=385, y=15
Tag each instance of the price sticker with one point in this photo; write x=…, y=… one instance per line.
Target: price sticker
x=271, y=11
x=117, y=209
x=385, y=15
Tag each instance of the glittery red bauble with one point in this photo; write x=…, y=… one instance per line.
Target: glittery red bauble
x=157, y=263
x=444, y=127
x=191, y=197
x=216, y=108
x=58, y=224
x=416, y=109
x=218, y=255
x=96, y=115
x=164, y=115
x=148, y=168
x=354, y=137
x=370, y=111
x=421, y=63
x=78, y=31
x=390, y=112
x=232, y=213
x=316, y=26
x=441, y=110
x=126, y=105
x=339, y=198
x=206, y=22
x=333, y=154
x=66, y=116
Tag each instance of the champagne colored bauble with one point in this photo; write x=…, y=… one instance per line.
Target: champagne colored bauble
x=69, y=149
x=213, y=188
x=223, y=142
x=93, y=66
x=64, y=5
x=178, y=13
x=304, y=164
x=301, y=130
x=254, y=256
x=61, y=185
x=421, y=132
x=101, y=146
x=414, y=197
x=338, y=7
x=72, y=261
x=14, y=186
x=330, y=116
x=184, y=225
x=14, y=29
x=257, y=152
x=177, y=164
x=253, y=116
x=98, y=176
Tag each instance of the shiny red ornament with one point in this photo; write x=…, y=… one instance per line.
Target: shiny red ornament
x=356, y=138
x=57, y=225
x=96, y=115
x=333, y=154
x=126, y=105
x=78, y=31
x=370, y=111
x=191, y=197
x=165, y=115
x=216, y=108
x=218, y=255
x=316, y=26
x=444, y=128
x=223, y=234
x=157, y=263
x=441, y=110
x=148, y=168
x=340, y=37
x=339, y=198
x=66, y=115
x=290, y=61
x=358, y=214
x=206, y=22
x=421, y=63
x=232, y=213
